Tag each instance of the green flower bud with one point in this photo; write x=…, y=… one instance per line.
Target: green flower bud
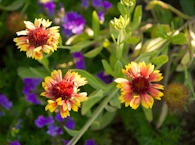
x=120, y=23
x=176, y=96
x=128, y=3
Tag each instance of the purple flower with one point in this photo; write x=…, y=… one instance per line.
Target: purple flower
x=5, y=102
x=73, y=23
x=41, y=121
x=16, y=142
x=32, y=98
x=53, y=130
x=105, y=78
x=50, y=7
x=89, y=142
x=66, y=142
x=97, y=3
x=59, y=118
x=107, y=5
x=85, y=3
x=78, y=60
x=70, y=123
x=30, y=86
x=101, y=16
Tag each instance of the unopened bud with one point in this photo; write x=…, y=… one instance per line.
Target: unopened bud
x=120, y=23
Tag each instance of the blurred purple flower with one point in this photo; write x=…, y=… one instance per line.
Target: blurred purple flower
x=5, y=102
x=107, y=5
x=2, y=114
x=101, y=16
x=73, y=23
x=70, y=123
x=32, y=98
x=53, y=130
x=59, y=118
x=85, y=3
x=97, y=3
x=104, y=77
x=41, y=121
x=78, y=60
x=89, y=142
x=16, y=142
x=50, y=7
x=30, y=86
x=66, y=142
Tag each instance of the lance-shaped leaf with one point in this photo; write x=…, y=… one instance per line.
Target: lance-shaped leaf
x=95, y=24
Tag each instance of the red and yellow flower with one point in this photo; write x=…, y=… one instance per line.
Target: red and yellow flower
x=38, y=38
x=140, y=85
x=63, y=92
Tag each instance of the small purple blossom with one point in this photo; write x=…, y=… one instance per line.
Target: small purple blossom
x=32, y=98
x=78, y=60
x=16, y=142
x=89, y=142
x=59, y=118
x=70, y=123
x=5, y=102
x=107, y=5
x=50, y=7
x=41, y=121
x=73, y=23
x=101, y=16
x=53, y=130
x=85, y=3
x=97, y=3
x=30, y=86
x=66, y=142
x=104, y=77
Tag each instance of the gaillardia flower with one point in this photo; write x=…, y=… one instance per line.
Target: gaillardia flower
x=38, y=38
x=64, y=91
x=140, y=86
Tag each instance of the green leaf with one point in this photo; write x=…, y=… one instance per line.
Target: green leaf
x=104, y=120
x=160, y=60
x=118, y=68
x=189, y=82
x=148, y=114
x=179, y=39
x=77, y=38
x=92, y=80
x=144, y=55
x=107, y=67
x=15, y=5
x=80, y=45
x=95, y=24
x=93, y=98
x=29, y=72
x=132, y=40
x=44, y=62
x=115, y=102
x=71, y=132
x=93, y=52
x=122, y=9
x=136, y=18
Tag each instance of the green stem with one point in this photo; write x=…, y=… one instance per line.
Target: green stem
x=164, y=109
x=64, y=47
x=75, y=139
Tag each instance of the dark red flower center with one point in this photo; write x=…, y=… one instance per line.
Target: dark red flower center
x=63, y=89
x=38, y=37
x=140, y=85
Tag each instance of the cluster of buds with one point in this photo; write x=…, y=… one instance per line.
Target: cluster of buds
x=120, y=23
x=128, y=3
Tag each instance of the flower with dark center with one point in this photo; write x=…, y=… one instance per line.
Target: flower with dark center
x=64, y=92
x=38, y=38
x=140, y=87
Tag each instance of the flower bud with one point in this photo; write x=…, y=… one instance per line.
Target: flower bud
x=14, y=22
x=120, y=23
x=176, y=96
x=128, y=3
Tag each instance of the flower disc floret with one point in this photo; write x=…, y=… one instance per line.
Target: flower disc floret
x=64, y=92
x=38, y=38
x=140, y=85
